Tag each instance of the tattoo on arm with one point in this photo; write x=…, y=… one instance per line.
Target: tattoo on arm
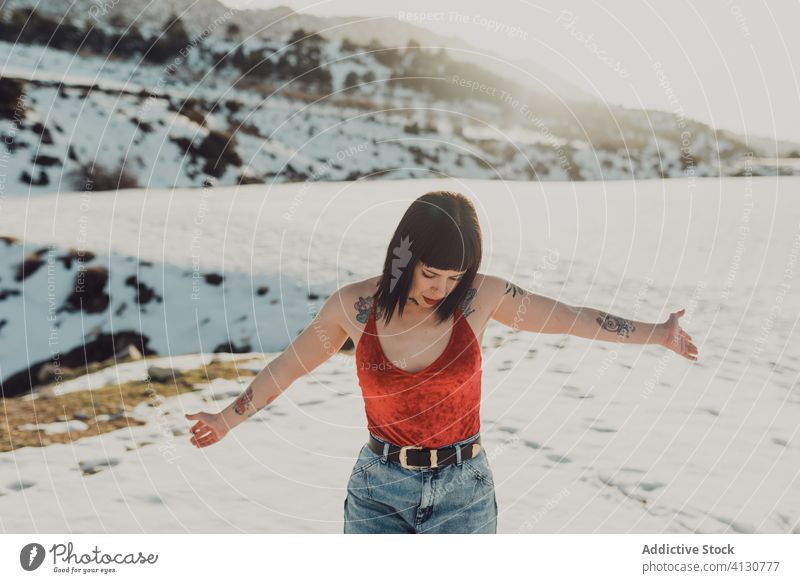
x=514, y=290
x=246, y=398
x=614, y=324
x=243, y=401
x=363, y=306
x=466, y=305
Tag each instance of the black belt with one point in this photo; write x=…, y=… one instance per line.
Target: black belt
x=412, y=456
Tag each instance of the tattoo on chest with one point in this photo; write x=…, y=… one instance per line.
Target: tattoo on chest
x=614, y=324
x=514, y=290
x=363, y=306
x=466, y=305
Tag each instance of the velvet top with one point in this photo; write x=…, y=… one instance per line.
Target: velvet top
x=431, y=408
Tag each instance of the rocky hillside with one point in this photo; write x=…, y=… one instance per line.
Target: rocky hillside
x=92, y=313
x=108, y=101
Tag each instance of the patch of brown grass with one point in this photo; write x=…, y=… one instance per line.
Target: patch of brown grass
x=114, y=400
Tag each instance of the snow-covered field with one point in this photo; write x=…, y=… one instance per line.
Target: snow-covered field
x=581, y=437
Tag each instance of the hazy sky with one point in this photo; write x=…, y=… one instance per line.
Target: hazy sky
x=731, y=63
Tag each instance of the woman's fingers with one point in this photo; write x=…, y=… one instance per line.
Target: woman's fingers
x=691, y=351
x=683, y=345
x=681, y=340
x=205, y=440
x=199, y=426
x=208, y=440
x=203, y=431
x=205, y=435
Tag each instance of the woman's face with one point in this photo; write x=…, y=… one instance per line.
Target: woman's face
x=432, y=284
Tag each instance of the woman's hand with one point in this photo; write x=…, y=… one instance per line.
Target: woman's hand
x=209, y=429
x=676, y=339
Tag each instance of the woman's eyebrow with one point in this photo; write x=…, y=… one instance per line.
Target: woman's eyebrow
x=434, y=273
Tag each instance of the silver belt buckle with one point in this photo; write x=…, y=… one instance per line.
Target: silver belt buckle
x=404, y=457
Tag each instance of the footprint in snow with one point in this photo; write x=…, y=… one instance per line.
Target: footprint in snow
x=90, y=467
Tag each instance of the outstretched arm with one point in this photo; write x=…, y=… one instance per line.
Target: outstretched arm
x=524, y=310
x=320, y=340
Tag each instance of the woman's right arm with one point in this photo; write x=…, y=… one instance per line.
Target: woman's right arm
x=320, y=340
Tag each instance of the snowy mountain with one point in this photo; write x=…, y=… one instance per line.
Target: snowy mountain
x=99, y=100
x=210, y=16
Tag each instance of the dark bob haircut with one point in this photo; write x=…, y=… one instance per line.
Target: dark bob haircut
x=441, y=230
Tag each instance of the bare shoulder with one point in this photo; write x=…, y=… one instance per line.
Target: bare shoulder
x=488, y=284
x=482, y=297
x=357, y=298
x=489, y=289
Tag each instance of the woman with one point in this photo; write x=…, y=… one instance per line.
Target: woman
x=419, y=327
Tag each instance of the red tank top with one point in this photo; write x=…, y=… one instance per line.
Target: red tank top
x=434, y=407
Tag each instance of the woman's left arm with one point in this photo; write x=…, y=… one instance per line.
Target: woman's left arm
x=524, y=310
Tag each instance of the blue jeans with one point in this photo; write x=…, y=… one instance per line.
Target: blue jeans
x=385, y=497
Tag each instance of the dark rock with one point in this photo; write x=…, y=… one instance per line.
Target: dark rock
x=293, y=175
x=233, y=349
x=29, y=266
x=144, y=294
x=88, y=292
x=102, y=348
x=40, y=180
x=38, y=128
x=7, y=293
x=162, y=374
x=245, y=180
x=213, y=278
x=43, y=160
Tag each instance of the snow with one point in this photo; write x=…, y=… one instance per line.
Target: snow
x=57, y=427
x=582, y=436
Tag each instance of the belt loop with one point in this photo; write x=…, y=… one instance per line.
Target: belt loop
x=385, y=455
x=458, y=455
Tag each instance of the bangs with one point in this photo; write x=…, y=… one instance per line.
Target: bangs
x=451, y=250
